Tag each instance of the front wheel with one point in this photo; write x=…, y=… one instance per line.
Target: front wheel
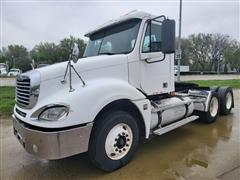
x=114, y=140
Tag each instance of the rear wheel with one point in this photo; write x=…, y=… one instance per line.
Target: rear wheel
x=114, y=140
x=225, y=95
x=213, y=110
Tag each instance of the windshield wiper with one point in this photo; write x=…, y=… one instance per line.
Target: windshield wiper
x=107, y=53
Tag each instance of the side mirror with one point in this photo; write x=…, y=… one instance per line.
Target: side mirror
x=168, y=36
x=75, y=53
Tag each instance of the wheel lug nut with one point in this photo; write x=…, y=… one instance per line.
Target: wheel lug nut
x=116, y=149
x=120, y=151
x=127, y=145
x=128, y=139
x=124, y=149
x=123, y=133
x=126, y=135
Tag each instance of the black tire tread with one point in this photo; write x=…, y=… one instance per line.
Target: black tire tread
x=100, y=125
x=222, y=92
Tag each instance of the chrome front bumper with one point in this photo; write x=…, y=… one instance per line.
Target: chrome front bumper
x=52, y=145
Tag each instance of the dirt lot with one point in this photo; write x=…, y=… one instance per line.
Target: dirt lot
x=195, y=151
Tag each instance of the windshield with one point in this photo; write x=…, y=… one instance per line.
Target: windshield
x=119, y=39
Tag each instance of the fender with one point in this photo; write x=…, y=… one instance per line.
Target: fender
x=144, y=106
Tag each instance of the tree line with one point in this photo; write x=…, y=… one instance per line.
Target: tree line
x=44, y=53
x=202, y=52
x=211, y=52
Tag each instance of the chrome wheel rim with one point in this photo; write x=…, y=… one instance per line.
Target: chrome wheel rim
x=228, y=100
x=119, y=141
x=213, y=109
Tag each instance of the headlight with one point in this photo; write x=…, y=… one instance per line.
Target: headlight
x=54, y=113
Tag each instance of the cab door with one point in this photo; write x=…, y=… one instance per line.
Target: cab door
x=156, y=67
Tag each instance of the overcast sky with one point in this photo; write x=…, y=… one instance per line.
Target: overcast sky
x=31, y=22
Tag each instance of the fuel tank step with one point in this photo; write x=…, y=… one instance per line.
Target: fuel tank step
x=175, y=125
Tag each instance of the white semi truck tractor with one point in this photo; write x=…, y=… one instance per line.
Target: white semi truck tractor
x=121, y=91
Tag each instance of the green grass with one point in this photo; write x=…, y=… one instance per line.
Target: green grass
x=234, y=83
x=7, y=95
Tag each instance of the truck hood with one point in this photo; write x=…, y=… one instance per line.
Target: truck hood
x=83, y=64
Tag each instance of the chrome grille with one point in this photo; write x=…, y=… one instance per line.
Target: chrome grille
x=23, y=88
x=27, y=89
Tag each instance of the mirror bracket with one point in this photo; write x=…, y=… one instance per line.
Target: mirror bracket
x=72, y=57
x=150, y=26
x=164, y=54
x=164, y=18
x=151, y=62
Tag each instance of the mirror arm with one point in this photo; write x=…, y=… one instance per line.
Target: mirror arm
x=150, y=38
x=150, y=34
x=150, y=62
x=159, y=17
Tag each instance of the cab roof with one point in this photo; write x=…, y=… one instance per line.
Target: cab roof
x=131, y=15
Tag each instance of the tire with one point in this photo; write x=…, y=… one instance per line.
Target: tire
x=114, y=140
x=226, y=100
x=211, y=115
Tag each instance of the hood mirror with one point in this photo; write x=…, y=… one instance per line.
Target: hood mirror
x=75, y=53
x=72, y=57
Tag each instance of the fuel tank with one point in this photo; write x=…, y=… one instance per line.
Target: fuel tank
x=174, y=113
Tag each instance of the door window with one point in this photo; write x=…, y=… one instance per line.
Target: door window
x=154, y=31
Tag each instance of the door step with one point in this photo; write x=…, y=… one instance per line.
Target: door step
x=175, y=125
